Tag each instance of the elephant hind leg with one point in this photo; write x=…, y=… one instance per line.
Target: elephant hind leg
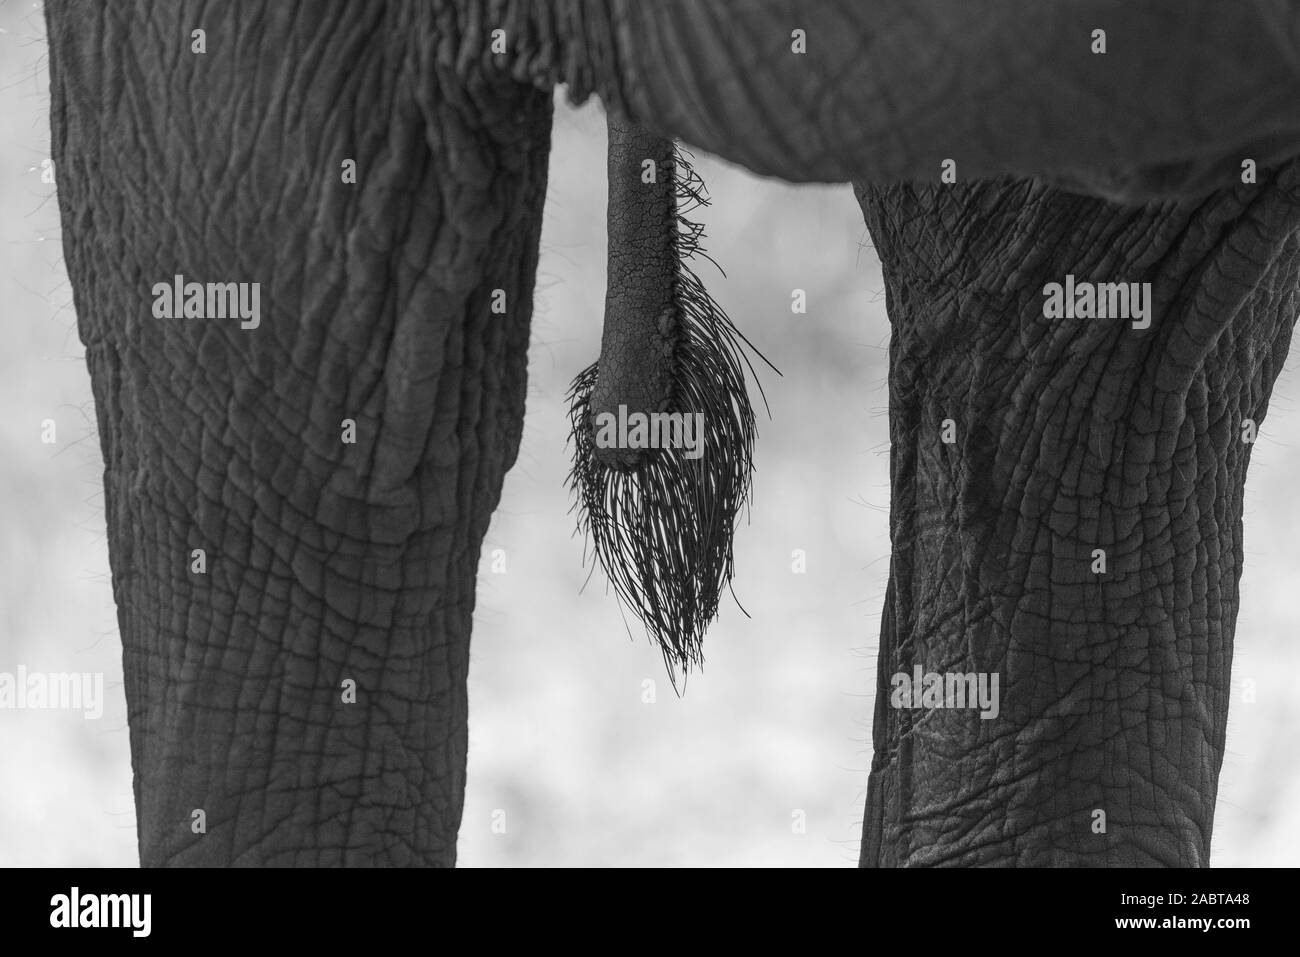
x=1067, y=515
x=295, y=510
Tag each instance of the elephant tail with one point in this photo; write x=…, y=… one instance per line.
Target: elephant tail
x=662, y=427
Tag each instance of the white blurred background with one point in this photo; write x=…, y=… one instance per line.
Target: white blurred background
x=562, y=739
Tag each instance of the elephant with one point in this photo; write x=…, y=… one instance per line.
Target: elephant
x=365, y=183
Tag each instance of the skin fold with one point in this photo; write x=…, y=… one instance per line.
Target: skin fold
x=331, y=561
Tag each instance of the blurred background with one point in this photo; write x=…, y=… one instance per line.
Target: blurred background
x=580, y=751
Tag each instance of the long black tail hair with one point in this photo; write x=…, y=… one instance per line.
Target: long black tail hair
x=662, y=524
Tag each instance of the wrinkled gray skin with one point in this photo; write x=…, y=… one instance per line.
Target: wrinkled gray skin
x=329, y=560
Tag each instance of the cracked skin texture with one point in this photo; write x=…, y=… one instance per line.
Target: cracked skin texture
x=1071, y=435
x=328, y=561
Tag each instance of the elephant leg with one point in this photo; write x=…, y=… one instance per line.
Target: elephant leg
x=1067, y=514
x=295, y=503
